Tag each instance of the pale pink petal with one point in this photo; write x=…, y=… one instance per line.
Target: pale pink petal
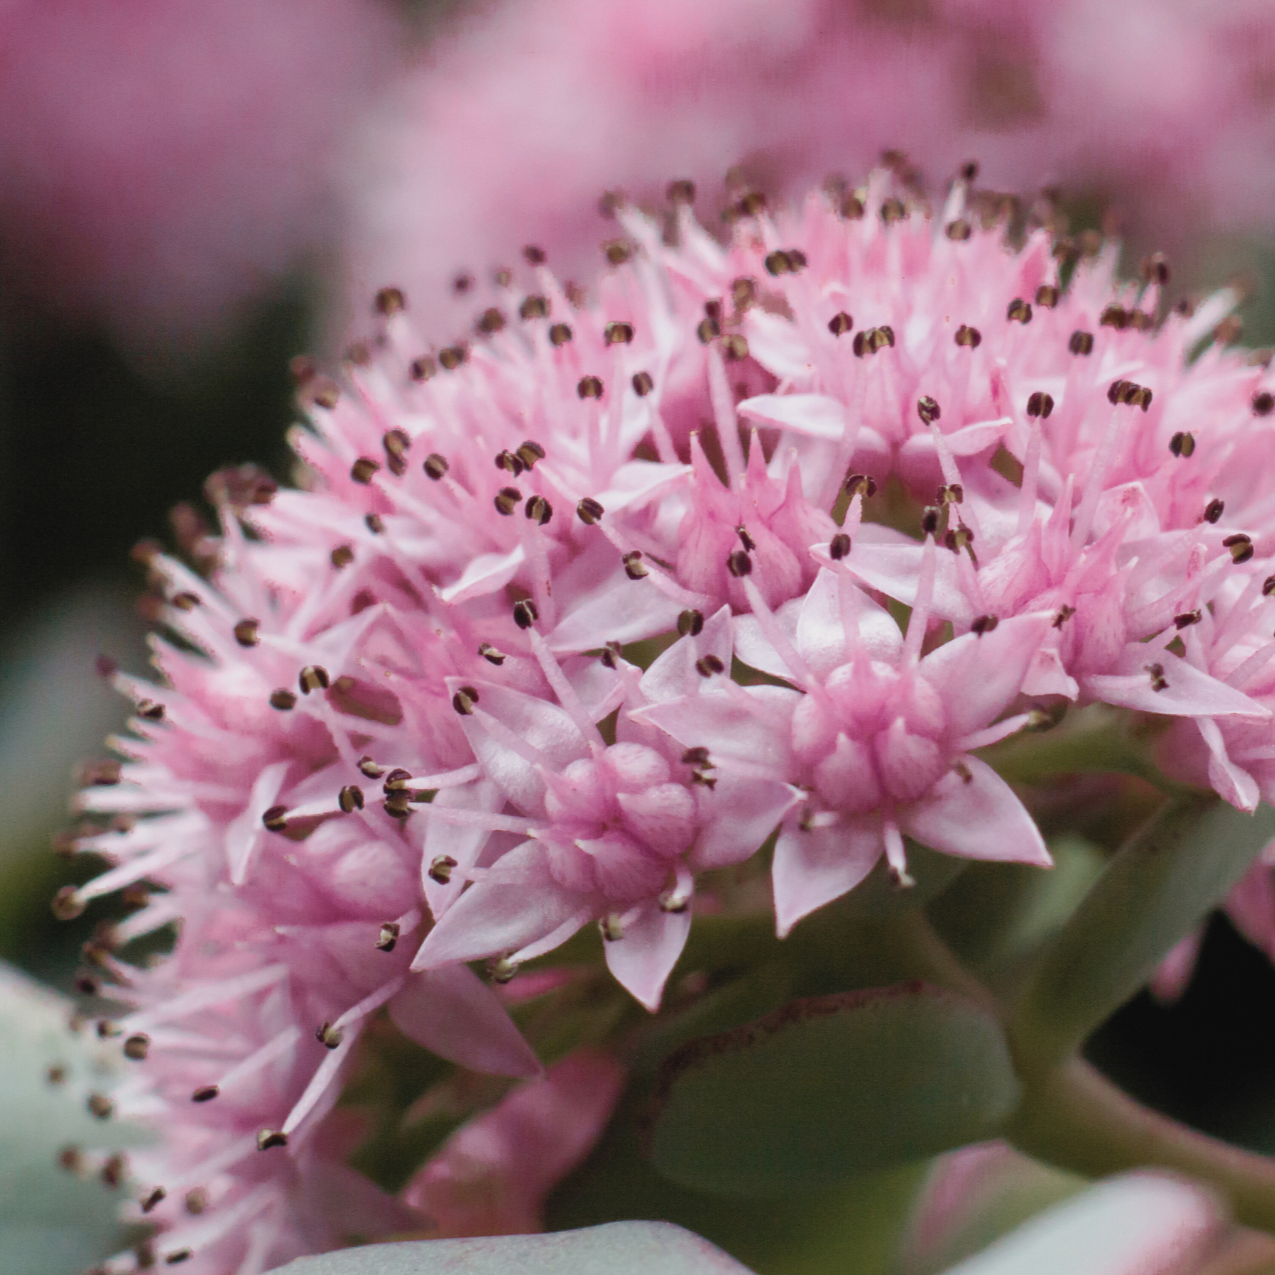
x=1187, y=691
x=895, y=569
x=534, y=731
x=455, y=841
x=495, y=916
x=673, y=673
x=813, y=414
x=1173, y=974
x=980, y=675
x=753, y=733
x=812, y=867
x=619, y=610
x=642, y=959
x=453, y=1013
x=976, y=815
x=737, y=814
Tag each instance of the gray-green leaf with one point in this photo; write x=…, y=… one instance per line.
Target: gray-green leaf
x=829, y=1087
x=52, y=1221
x=618, y=1248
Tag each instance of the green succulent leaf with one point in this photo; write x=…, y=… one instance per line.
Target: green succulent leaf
x=52, y=1220
x=829, y=1087
x=618, y=1248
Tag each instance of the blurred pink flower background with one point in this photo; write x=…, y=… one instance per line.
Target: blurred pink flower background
x=523, y=114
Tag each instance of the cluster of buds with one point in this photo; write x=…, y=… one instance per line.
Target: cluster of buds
x=757, y=546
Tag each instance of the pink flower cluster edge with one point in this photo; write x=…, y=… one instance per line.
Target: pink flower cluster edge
x=564, y=618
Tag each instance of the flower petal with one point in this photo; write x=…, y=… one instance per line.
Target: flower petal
x=452, y=1012
x=814, y=866
x=978, y=817
x=736, y=815
x=642, y=960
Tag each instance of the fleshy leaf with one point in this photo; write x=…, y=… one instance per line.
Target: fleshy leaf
x=829, y=1087
x=52, y=1221
x=618, y=1248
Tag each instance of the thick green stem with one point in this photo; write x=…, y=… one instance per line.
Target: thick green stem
x=1157, y=889
x=1074, y=1118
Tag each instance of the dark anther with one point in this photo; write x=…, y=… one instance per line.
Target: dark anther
x=643, y=384
x=892, y=210
x=778, y=262
x=1155, y=269
x=968, y=336
x=707, y=329
x=282, y=700
x=559, y=334
x=179, y=1255
x=350, y=798
x=328, y=1036
x=452, y=357
x=930, y=520
x=589, y=511
x=435, y=466
x=67, y=904
x=390, y=301
x=268, y=1138
x=137, y=1047
x=734, y=347
x=533, y=256
x=928, y=409
x=950, y=494
x=275, y=819
x=695, y=757
x=491, y=321
x=1182, y=444
x=1080, y=342
x=743, y=293
x=388, y=936
x=422, y=369
x=984, y=624
x=1040, y=404
x=1187, y=618
x=744, y=538
x=1019, y=311
x=1114, y=316
x=969, y=170
x=363, y=469
x=533, y=307
x=506, y=500
x=314, y=677
x=525, y=613
x=681, y=192
x=325, y=392
x=618, y=333
x=463, y=703
x=860, y=485
x=1214, y=510
x=1263, y=403
x=958, y=230
x=690, y=623
x=490, y=653
x=617, y=251
x=369, y=768
x=185, y=601
x=100, y=1106
x=739, y=564
x=839, y=546
x=882, y=336
x=398, y=779
x=1241, y=547
x=1158, y=682
x=440, y=869
x=539, y=510
x=341, y=556
x=196, y=1201
x=1047, y=296
x=634, y=567
x=1064, y=613
x=608, y=657
x=150, y=710
x=114, y=1171
x=707, y=665
x=589, y=387
x=462, y=283
x=862, y=344
x=398, y=805
x=510, y=463
x=529, y=451
x=205, y=1093
x=840, y=323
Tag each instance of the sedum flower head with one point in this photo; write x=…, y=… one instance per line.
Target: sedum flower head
x=768, y=536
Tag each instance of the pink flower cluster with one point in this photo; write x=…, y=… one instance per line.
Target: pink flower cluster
x=566, y=616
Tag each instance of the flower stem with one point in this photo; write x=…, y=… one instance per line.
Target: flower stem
x=1076, y=1119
